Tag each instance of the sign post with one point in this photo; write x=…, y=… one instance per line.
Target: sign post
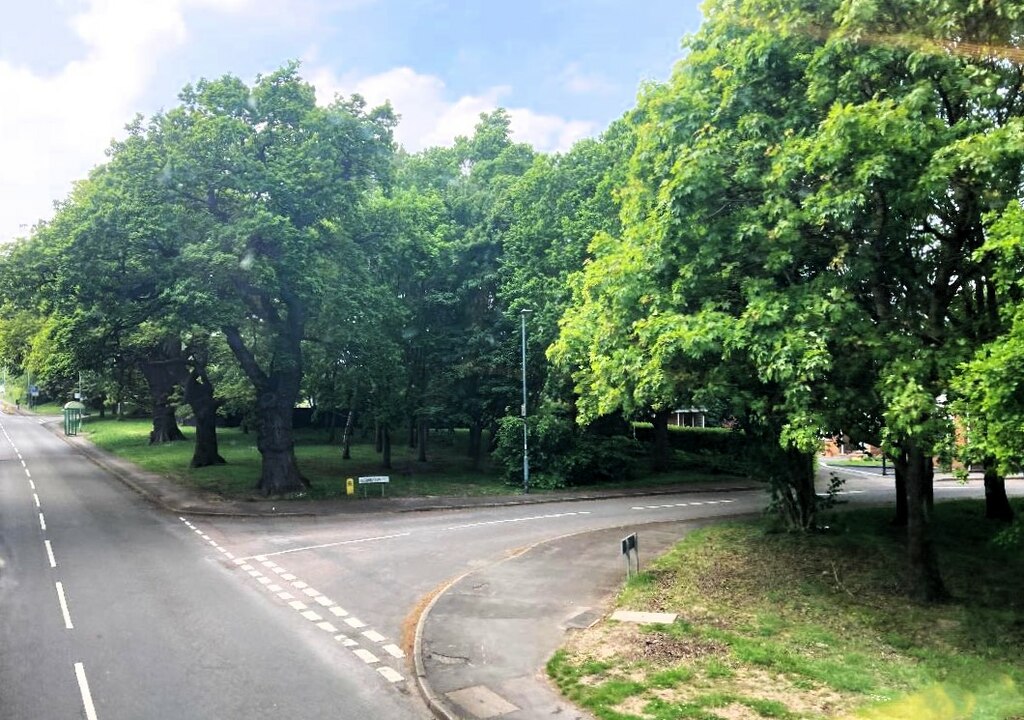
x=381, y=480
x=630, y=544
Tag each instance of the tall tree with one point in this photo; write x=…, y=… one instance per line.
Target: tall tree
x=270, y=186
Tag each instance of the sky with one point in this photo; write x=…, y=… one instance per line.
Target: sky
x=73, y=73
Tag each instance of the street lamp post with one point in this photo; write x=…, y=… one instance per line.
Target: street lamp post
x=526, y=457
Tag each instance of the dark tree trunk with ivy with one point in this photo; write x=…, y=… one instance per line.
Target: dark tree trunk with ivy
x=997, y=505
x=661, y=445
x=385, y=446
x=277, y=389
x=199, y=395
x=162, y=368
x=900, y=473
x=475, y=442
x=924, y=581
x=421, y=439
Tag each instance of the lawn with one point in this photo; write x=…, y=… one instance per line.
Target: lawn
x=773, y=625
x=448, y=472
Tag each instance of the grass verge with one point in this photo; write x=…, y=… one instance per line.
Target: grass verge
x=784, y=626
x=448, y=472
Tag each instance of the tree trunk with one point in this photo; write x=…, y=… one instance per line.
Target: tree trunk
x=378, y=433
x=279, y=473
x=332, y=428
x=475, y=443
x=162, y=368
x=199, y=396
x=346, y=436
x=924, y=579
x=929, y=484
x=900, y=472
x=997, y=505
x=413, y=432
x=276, y=393
x=661, y=448
x=385, y=446
x=421, y=439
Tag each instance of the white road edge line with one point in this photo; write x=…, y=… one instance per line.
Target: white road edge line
x=83, y=686
x=64, y=606
x=325, y=545
x=49, y=553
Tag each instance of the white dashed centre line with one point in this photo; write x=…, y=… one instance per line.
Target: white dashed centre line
x=35, y=499
x=42, y=522
x=83, y=687
x=49, y=553
x=522, y=519
x=64, y=606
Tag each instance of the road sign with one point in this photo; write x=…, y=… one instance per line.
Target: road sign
x=33, y=390
x=630, y=544
x=381, y=480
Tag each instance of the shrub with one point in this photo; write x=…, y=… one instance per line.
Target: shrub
x=561, y=453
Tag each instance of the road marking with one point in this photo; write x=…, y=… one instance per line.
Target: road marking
x=522, y=519
x=285, y=595
x=345, y=640
x=366, y=656
x=327, y=626
x=64, y=606
x=263, y=580
x=274, y=588
x=373, y=636
x=312, y=592
x=27, y=472
x=254, y=573
x=36, y=499
x=32, y=484
x=312, y=616
x=390, y=675
x=49, y=553
x=394, y=651
x=338, y=611
x=679, y=505
x=42, y=522
x=287, y=576
x=355, y=622
x=334, y=544
x=300, y=585
x=324, y=600
x=83, y=687
x=298, y=605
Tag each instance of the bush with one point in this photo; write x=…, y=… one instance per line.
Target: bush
x=562, y=454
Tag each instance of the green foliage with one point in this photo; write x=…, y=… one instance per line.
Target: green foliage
x=562, y=454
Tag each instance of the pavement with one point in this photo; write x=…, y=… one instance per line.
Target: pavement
x=483, y=639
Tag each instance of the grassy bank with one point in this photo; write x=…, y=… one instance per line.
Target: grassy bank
x=449, y=470
x=781, y=626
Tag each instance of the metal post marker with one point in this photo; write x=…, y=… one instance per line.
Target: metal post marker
x=631, y=544
x=526, y=461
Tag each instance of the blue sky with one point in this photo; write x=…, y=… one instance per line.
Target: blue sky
x=73, y=72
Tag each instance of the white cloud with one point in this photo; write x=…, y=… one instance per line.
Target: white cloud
x=55, y=127
x=429, y=117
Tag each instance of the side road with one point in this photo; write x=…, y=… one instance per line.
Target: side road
x=184, y=500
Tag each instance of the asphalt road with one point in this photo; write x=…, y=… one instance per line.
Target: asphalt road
x=112, y=609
